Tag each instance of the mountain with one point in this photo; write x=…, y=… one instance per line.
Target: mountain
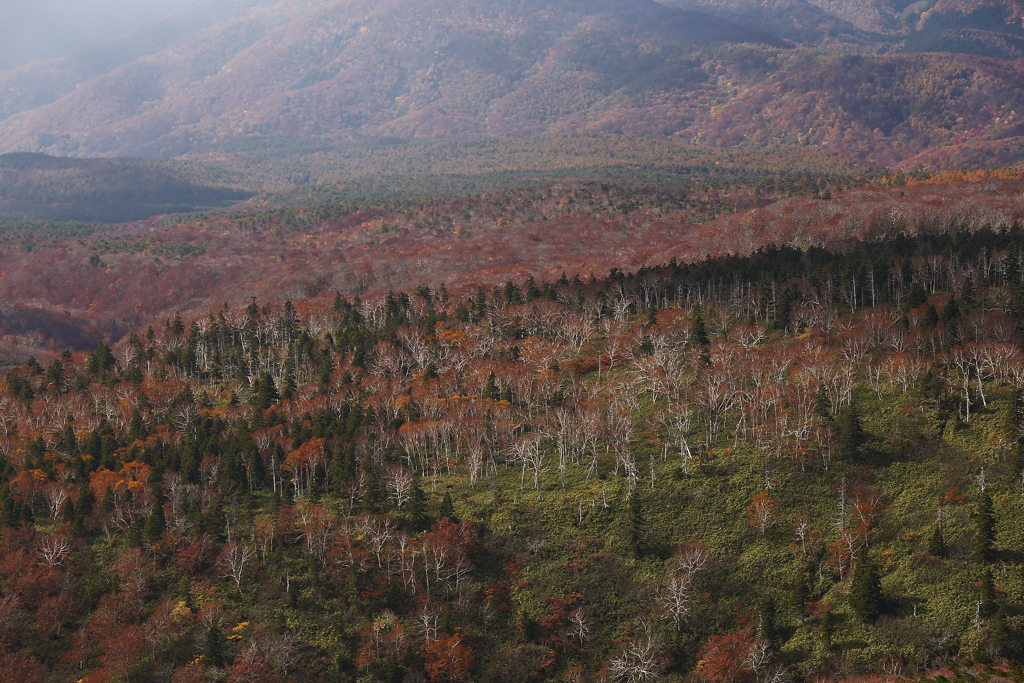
x=397, y=67
x=974, y=27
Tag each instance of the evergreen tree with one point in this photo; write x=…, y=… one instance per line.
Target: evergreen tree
x=851, y=434
x=799, y=596
x=985, y=525
x=340, y=470
x=83, y=509
x=416, y=508
x=68, y=513
x=987, y=593
x=265, y=392
x=699, y=332
x=154, y=529
x=447, y=508
x=866, y=589
x=930, y=319
x=213, y=651
x=951, y=311
x=766, y=621
x=491, y=389
x=135, y=530
x=936, y=544
x=916, y=296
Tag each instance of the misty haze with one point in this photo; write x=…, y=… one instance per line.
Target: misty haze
x=40, y=29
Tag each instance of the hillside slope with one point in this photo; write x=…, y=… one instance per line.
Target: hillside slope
x=327, y=73
x=441, y=69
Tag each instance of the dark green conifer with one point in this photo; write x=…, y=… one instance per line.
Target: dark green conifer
x=985, y=526
x=930, y=319
x=766, y=621
x=699, y=332
x=447, y=508
x=936, y=544
x=799, y=596
x=987, y=593
x=916, y=296
x=154, y=529
x=417, y=506
x=213, y=651
x=135, y=531
x=851, y=434
x=866, y=589
x=950, y=312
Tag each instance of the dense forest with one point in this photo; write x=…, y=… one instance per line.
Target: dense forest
x=803, y=463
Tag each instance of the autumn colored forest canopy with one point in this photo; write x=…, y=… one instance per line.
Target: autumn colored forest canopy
x=796, y=464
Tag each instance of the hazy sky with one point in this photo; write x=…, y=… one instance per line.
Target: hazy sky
x=37, y=29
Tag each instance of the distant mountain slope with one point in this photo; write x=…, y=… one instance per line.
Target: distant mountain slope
x=327, y=73
x=801, y=21
x=989, y=28
x=448, y=68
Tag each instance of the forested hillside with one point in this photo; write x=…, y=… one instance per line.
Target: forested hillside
x=323, y=77
x=37, y=186
x=798, y=464
x=69, y=285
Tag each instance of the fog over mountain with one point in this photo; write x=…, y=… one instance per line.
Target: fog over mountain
x=51, y=28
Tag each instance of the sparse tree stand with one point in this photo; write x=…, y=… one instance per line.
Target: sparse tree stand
x=866, y=589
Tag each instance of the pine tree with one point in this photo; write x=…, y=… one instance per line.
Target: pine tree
x=866, y=590
x=135, y=530
x=265, y=392
x=491, y=389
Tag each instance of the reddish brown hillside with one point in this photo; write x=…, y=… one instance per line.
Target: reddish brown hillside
x=70, y=293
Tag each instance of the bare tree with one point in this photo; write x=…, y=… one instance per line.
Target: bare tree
x=398, y=481
x=638, y=660
x=235, y=559
x=675, y=598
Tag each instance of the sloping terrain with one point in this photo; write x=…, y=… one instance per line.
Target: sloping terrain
x=326, y=74
x=106, y=283
x=401, y=67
